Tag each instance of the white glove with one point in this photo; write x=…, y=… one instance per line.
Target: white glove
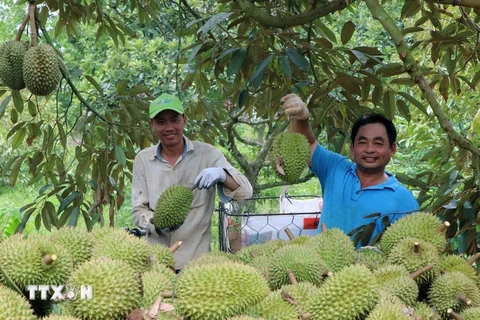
x=210, y=176
x=294, y=107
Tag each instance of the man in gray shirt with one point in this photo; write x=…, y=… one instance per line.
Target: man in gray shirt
x=176, y=160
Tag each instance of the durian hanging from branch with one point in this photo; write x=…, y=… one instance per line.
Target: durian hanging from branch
x=41, y=71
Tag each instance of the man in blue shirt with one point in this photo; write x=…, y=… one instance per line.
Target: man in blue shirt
x=360, y=197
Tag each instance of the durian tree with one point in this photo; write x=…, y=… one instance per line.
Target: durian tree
x=231, y=62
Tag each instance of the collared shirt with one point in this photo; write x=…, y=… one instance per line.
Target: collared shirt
x=345, y=202
x=152, y=175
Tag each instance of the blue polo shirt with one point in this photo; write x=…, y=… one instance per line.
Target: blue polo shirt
x=345, y=203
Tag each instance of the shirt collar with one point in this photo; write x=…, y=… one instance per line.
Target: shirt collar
x=391, y=183
x=187, y=148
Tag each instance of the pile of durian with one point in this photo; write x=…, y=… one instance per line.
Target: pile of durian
x=320, y=277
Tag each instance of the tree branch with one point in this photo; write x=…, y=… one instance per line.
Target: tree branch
x=309, y=176
x=306, y=17
x=379, y=13
x=459, y=3
x=245, y=141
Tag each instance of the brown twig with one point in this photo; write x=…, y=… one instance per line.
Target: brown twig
x=49, y=258
x=22, y=27
x=32, y=7
x=289, y=233
x=175, y=246
x=291, y=277
x=421, y=271
x=473, y=259
x=444, y=226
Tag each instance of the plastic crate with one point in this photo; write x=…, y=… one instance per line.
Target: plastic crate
x=257, y=220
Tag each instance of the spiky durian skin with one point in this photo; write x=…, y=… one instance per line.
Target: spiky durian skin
x=41, y=71
x=120, y=245
x=451, y=262
x=422, y=225
x=390, y=308
x=13, y=305
x=268, y=248
x=471, y=314
x=245, y=318
x=335, y=299
x=405, y=254
x=218, y=291
x=335, y=248
x=395, y=280
x=291, y=149
x=274, y=307
x=172, y=207
x=303, y=261
x=371, y=257
x=301, y=293
x=209, y=258
x=55, y=272
x=424, y=311
x=163, y=255
x=11, y=64
x=77, y=241
x=21, y=261
x=60, y=317
x=446, y=289
x=116, y=290
x=155, y=282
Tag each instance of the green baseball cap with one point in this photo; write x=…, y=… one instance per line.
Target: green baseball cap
x=165, y=102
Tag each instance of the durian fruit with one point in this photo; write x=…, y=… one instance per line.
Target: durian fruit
x=300, y=293
x=371, y=257
x=274, y=307
x=452, y=262
x=471, y=314
x=289, y=154
x=424, y=311
x=218, y=291
x=116, y=290
x=421, y=225
x=453, y=290
x=245, y=318
x=209, y=258
x=335, y=248
x=11, y=64
x=348, y=294
x=391, y=308
x=41, y=71
x=172, y=207
x=21, y=261
x=156, y=281
x=60, y=317
x=303, y=261
x=57, y=260
x=302, y=239
x=77, y=241
x=414, y=254
x=14, y=306
x=247, y=254
x=262, y=264
x=118, y=244
x=395, y=281
x=163, y=255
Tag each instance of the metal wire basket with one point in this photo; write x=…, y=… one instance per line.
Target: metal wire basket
x=245, y=222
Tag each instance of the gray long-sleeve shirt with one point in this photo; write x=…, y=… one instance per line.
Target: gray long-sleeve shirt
x=151, y=176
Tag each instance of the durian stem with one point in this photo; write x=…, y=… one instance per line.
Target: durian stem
x=416, y=247
x=175, y=246
x=167, y=294
x=324, y=227
x=22, y=27
x=421, y=271
x=327, y=274
x=289, y=233
x=49, y=258
x=291, y=277
x=443, y=227
x=32, y=7
x=307, y=316
x=474, y=258
x=463, y=298
x=253, y=254
x=453, y=314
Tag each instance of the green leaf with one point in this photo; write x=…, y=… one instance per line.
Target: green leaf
x=236, y=62
x=404, y=110
x=95, y=84
x=122, y=87
x=242, y=99
x=414, y=101
x=227, y=52
x=213, y=21
x=19, y=138
x=193, y=52
x=38, y=221
x=73, y=220
x=389, y=104
x=65, y=202
x=257, y=76
x=59, y=27
x=347, y=31
x=297, y=59
x=120, y=156
x=17, y=100
x=360, y=56
x=469, y=212
x=285, y=66
x=367, y=233
x=46, y=218
x=326, y=31
x=372, y=215
x=138, y=90
x=4, y=104
x=32, y=108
